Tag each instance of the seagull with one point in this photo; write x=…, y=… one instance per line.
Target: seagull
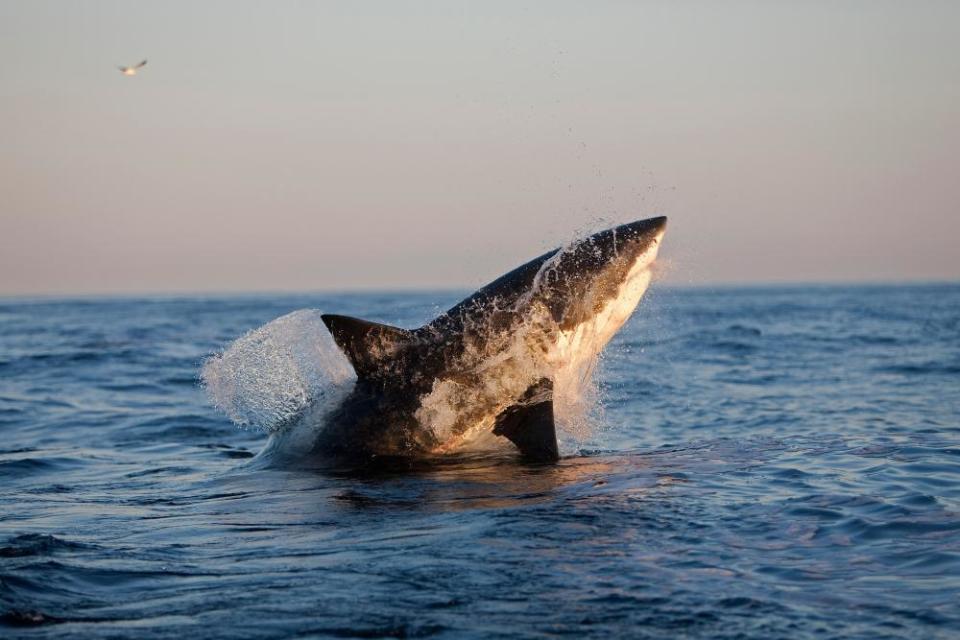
x=131, y=71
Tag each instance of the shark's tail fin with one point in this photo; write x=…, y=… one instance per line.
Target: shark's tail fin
x=366, y=344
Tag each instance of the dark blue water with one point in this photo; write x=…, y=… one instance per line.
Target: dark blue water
x=779, y=462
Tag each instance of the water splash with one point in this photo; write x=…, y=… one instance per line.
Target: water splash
x=271, y=375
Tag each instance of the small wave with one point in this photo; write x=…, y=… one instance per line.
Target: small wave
x=180, y=381
x=27, y=618
x=22, y=467
x=75, y=357
x=926, y=368
x=35, y=544
x=132, y=387
x=744, y=330
x=183, y=428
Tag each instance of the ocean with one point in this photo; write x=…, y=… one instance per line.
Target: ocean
x=763, y=462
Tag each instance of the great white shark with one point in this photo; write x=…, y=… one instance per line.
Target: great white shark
x=491, y=366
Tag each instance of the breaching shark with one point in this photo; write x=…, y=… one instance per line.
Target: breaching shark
x=492, y=364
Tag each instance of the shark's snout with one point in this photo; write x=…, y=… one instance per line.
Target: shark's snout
x=649, y=233
x=643, y=233
x=634, y=241
x=650, y=226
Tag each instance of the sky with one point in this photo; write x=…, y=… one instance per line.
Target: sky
x=274, y=146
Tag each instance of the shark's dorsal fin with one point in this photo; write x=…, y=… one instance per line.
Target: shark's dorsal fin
x=366, y=344
x=529, y=423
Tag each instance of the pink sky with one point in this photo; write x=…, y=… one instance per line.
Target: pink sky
x=306, y=146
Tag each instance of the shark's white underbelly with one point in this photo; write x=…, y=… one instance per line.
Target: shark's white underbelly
x=578, y=349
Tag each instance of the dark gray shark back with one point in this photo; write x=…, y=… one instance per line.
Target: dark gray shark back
x=574, y=269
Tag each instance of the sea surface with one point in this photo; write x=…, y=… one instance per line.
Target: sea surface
x=766, y=463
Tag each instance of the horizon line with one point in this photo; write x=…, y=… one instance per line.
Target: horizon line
x=370, y=290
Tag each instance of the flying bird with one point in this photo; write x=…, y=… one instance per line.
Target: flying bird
x=132, y=71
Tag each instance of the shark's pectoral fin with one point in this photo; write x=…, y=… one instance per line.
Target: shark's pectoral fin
x=529, y=423
x=366, y=344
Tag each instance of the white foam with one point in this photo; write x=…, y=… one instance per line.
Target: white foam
x=271, y=375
